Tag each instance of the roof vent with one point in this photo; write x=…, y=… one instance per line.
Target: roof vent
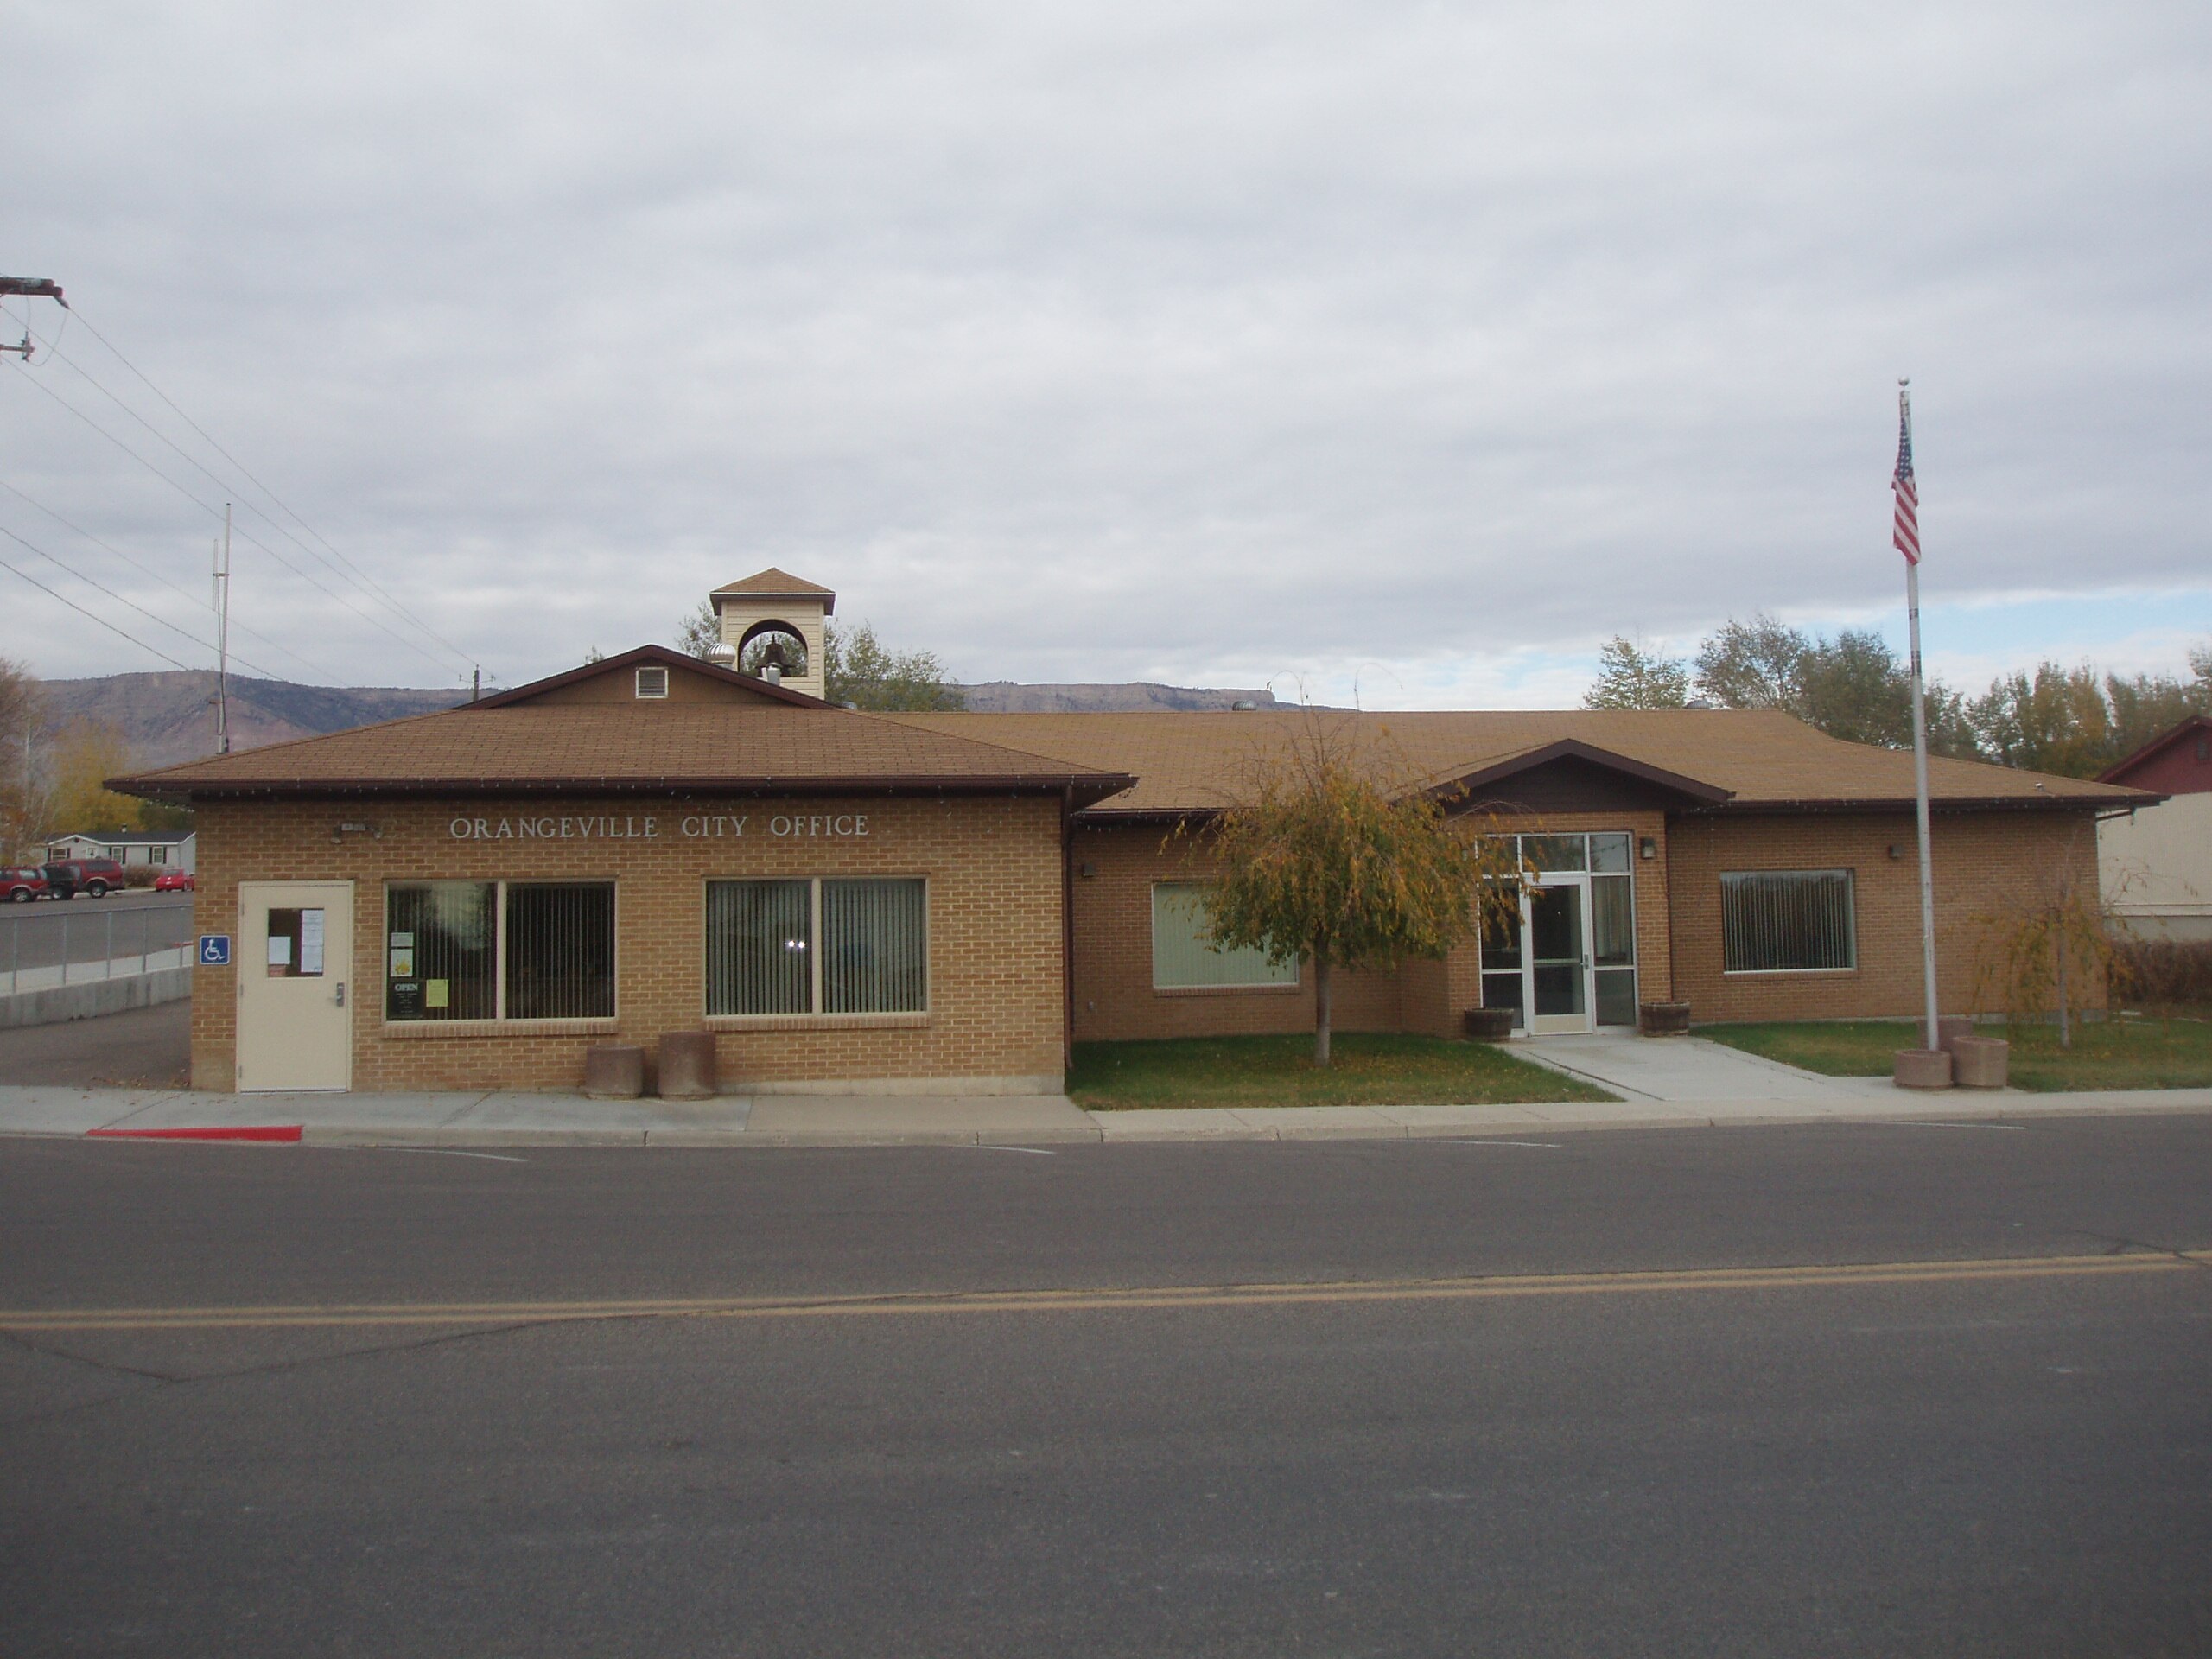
x=652, y=682
x=1242, y=706
x=1699, y=702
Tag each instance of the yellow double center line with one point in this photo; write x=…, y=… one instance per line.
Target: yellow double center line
x=1107, y=1300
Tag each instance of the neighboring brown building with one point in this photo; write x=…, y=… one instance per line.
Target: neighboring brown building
x=944, y=902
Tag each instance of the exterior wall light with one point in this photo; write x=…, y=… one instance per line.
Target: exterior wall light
x=1647, y=848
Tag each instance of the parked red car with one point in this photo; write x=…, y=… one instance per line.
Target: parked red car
x=23, y=885
x=174, y=882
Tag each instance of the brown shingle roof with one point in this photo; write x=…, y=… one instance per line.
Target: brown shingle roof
x=628, y=749
x=779, y=584
x=1761, y=758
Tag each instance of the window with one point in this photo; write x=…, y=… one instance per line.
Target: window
x=1184, y=960
x=157, y=855
x=817, y=946
x=1787, y=921
x=652, y=682
x=296, y=943
x=499, y=950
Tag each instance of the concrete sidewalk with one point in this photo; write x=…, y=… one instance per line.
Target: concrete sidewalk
x=566, y=1120
x=1689, y=1069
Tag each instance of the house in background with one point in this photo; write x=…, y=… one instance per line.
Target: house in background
x=165, y=850
x=2156, y=863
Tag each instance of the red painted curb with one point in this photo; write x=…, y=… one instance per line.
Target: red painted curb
x=244, y=1132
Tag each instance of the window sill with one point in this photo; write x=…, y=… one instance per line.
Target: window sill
x=410, y=1031
x=1291, y=989
x=817, y=1021
x=1787, y=973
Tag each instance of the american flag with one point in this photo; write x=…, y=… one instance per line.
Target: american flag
x=1906, y=536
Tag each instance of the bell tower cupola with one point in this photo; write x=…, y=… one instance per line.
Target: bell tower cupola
x=786, y=618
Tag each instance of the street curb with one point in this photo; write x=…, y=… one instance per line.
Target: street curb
x=271, y=1134
x=2004, y=1109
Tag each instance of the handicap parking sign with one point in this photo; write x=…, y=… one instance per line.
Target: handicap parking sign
x=214, y=949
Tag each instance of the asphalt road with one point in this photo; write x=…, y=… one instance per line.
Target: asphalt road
x=962, y=1401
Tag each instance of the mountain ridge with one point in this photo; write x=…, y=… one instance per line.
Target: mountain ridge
x=169, y=717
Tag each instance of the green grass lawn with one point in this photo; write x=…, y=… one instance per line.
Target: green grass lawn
x=1369, y=1069
x=2106, y=1053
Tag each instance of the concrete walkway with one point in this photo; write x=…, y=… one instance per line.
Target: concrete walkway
x=496, y=1119
x=1689, y=1069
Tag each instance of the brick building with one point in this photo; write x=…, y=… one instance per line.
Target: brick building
x=944, y=902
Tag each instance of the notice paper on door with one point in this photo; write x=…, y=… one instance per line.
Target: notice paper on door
x=310, y=942
x=434, y=993
x=280, y=950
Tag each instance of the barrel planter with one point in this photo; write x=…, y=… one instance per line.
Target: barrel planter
x=614, y=1072
x=687, y=1065
x=1922, y=1068
x=1663, y=1018
x=1981, y=1062
x=1489, y=1025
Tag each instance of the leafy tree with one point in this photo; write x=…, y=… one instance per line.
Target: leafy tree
x=1630, y=678
x=2050, y=946
x=701, y=631
x=1853, y=687
x=22, y=792
x=859, y=670
x=77, y=798
x=2054, y=719
x=1755, y=664
x=1331, y=860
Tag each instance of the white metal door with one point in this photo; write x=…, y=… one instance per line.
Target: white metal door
x=294, y=963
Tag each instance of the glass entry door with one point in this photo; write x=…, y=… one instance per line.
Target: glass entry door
x=1558, y=954
x=1567, y=961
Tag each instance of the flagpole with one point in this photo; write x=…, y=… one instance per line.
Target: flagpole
x=1907, y=483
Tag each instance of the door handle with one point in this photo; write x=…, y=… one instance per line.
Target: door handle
x=342, y=993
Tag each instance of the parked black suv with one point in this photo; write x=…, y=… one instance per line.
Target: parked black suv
x=72, y=876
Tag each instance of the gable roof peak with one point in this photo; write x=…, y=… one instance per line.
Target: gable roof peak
x=650, y=656
x=773, y=583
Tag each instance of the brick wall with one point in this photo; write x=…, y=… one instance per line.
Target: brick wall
x=1114, y=994
x=1985, y=864
x=996, y=993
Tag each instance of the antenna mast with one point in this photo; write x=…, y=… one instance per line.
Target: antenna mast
x=223, y=637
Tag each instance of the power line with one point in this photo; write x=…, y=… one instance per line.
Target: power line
x=212, y=512
x=149, y=571
x=54, y=350
x=131, y=604
x=360, y=575
x=81, y=611
x=229, y=489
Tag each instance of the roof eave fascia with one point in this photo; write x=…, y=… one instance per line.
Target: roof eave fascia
x=1742, y=808
x=1085, y=788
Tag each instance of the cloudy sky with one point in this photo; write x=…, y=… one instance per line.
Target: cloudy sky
x=1401, y=350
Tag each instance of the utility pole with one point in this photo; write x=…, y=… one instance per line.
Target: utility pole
x=476, y=685
x=41, y=288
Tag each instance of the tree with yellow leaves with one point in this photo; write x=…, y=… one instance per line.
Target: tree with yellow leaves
x=1337, y=856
